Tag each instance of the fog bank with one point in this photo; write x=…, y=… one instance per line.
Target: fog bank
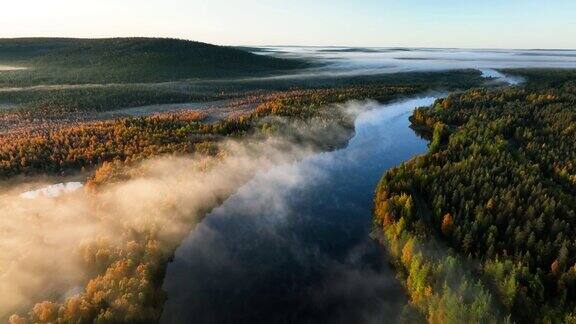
x=45, y=232
x=356, y=61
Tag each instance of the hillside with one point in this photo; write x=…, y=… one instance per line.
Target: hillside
x=126, y=60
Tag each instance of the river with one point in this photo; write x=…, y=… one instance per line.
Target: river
x=293, y=244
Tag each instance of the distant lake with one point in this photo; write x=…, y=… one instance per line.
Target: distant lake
x=293, y=245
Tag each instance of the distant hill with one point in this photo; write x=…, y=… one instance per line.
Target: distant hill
x=123, y=60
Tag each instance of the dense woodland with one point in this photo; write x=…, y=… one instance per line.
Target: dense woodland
x=86, y=145
x=57, y=103
x=126, y=285
x=126, y=272
x=482, y=227
x=127, y=60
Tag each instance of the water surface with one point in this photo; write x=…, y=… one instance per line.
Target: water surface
x=293, y=245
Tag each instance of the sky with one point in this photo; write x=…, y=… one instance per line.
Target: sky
x=418, y=23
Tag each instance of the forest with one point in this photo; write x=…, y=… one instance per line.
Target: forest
x=54, y=131
x=481, y=228
x=127, y=60
x=462, y=258
x=127, y=272
x=58, y=100
x=57, y=106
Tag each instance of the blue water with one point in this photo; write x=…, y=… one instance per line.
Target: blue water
x=293, y=245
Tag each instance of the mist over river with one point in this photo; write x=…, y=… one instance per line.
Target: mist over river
x=293, y=244
x=356, y=61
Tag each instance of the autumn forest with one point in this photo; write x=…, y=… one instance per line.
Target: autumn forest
x=121, y=157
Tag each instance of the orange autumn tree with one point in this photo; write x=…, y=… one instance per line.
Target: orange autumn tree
x=447, y=224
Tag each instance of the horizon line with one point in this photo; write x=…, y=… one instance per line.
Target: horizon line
x=295, y=45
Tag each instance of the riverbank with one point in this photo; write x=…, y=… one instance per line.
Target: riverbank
x=135, y=243
x=292, y=244
x=468, y=224
x=136, y=209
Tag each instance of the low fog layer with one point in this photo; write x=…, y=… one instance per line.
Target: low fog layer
x=293, y=243
x=43, y=231
x=348, y=61
x=52, y=191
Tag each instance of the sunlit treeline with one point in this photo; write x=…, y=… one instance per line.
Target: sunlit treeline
x=496, y=193
x=88, y=144
x=143, y=210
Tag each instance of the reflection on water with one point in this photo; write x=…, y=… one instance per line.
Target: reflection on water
x=293, y=244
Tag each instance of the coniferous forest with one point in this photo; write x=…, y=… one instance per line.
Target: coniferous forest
x=115, y=153
x=125, y=273
x=481, y=227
